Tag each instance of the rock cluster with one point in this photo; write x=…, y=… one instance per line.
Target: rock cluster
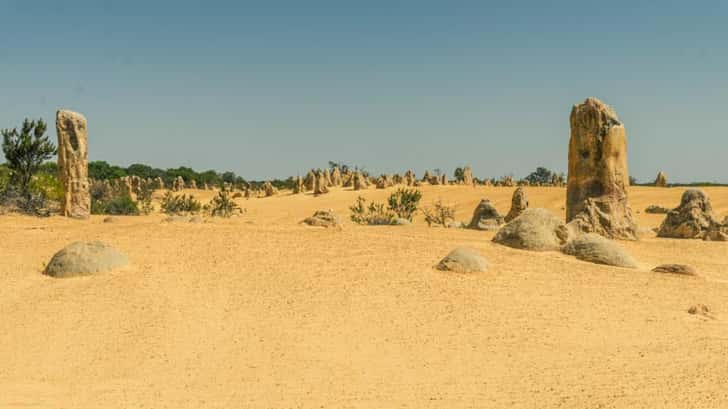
x=661, y=179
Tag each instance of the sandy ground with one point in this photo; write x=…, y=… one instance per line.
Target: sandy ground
x=261, y=312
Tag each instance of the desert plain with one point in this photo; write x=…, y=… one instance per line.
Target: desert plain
x=260, y=311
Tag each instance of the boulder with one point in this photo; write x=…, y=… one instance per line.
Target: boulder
x=692, y=219
x=485, y=217
x=535, y=229
x=594, y=248
x=463, y=260
x=72, y=133
x=598, y=176
x=323, y=218
x=84, y=258
x=519, y=203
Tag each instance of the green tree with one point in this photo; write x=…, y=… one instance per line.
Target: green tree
x=25, y=152
x=540, y=176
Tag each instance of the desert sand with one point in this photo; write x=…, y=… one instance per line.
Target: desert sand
x=259, y=311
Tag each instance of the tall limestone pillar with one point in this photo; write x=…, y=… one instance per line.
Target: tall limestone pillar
x=73, y=163
x=596, y=194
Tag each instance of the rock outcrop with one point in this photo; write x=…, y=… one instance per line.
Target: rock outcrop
x=597, y=249
x=323, y=218
x=693, y=219
x=519, y=203
x=467, y=176
x=661, y=179
x=336, y=177
x=83, y=258
x=598, y=175
x=463, y=260
x=485, y=217
x=72, y=131
x=536, y=229
x=320, y=184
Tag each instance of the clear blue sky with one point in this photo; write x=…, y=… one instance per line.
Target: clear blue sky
x=272, y=88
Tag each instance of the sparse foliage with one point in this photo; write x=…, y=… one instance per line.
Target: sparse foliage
x=439, y=214
x=404, y=202
x=180, y=204
x=223, y=205
x=372, y=213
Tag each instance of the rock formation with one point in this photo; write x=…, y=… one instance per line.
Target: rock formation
x=519, y=203
x=193, y=184
x=83, y=258
x=336, y=177
x=327, y=178
x=594, y=248
x=463, y=260
x=536, y=229
x=598, y=176
x=661, y=179
x=693, y=219
x=320, y=184
x=675, y=269
x=467, y=176
x=309, y=181
x=269, y=189
x=409, y=178
x=485, y=217
x=298, y=186
x=72, y=133
x=323, y=218
x=508, y=181
x=178, y=184
x=359, y=181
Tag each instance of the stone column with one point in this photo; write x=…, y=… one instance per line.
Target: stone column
x=596, y=193
x=73, y=163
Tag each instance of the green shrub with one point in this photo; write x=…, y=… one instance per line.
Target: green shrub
x=144, y=198
x=223, y=205
x=172, y=204
x=48, y=186
x=404, y=202
x=121, y=205
x=372, y=214
x=439, y=214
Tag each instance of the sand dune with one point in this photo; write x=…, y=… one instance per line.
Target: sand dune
x=261, y=312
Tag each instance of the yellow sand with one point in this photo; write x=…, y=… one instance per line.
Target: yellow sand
x=261, y=312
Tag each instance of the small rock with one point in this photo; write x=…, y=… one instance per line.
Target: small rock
x=675, y=269
x=110, y=220
x=700, y=309
x=535, y=229
x=323, y=218
x=463, y=260
x=655, y=209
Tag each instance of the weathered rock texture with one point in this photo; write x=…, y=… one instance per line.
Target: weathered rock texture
x=463, y=260
x=598, y=176
x=320, y=184
x=82, y=258
x=485, y=217
x=467, y=176
x=675, y=269
x=72, y=133
x=519, y=203
x=536, y=229
x=693, y=219
x=661, y=180
x=323, y=218
x=597, y=249
x=269, y=189
x=655, y=209
x=336, y=177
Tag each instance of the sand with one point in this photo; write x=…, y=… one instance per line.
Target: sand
x=259, y=311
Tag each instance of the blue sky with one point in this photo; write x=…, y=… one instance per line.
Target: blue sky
x=272, y=88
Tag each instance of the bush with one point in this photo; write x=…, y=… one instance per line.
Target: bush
x=120, y=205
x=25, y=152
x=223, y=205
x=439, y=214
x=48, y=186
x=180, y=204
x=372, y=214
x=144, y=198
x=404, y=202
